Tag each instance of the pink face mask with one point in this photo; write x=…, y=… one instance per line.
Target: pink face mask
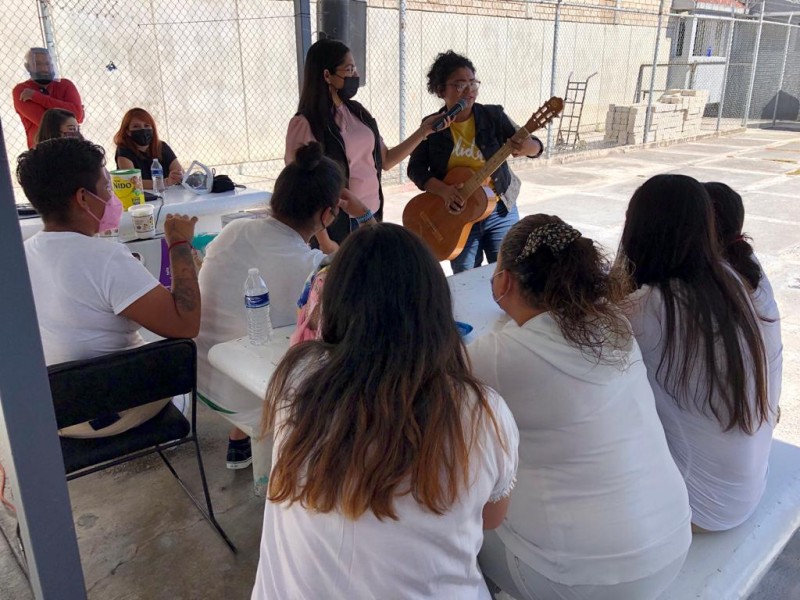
x=111, y=214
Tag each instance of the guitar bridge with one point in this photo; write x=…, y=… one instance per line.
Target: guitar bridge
x=432, y=226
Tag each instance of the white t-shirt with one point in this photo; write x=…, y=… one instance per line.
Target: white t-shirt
x=598, y=499
x=309, y=556
x=81, y=284
x=284, y=261
x=725, y=471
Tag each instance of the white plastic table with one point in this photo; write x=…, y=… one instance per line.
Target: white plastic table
x=253, y=366
x=207, y=207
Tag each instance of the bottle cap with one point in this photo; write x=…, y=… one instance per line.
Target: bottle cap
x=252, y=271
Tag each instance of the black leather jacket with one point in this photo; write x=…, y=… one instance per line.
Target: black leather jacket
x=492, y=129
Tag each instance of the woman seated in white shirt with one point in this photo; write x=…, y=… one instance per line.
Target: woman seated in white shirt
x=307, y=197
x=390, y=458
x=704, y=347
x=599, y=510
x=92, y=296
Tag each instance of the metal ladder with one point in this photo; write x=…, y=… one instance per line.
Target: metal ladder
x=569, y=125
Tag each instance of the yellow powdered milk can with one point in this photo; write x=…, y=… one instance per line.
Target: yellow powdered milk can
x=127, y=184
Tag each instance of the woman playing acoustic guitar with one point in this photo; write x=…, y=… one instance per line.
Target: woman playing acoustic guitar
x=475, y=134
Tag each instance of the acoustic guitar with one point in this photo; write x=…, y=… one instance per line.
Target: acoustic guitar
x=446, y=232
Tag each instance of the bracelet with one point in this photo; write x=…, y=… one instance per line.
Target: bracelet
x=365, y=217
x=178, y=243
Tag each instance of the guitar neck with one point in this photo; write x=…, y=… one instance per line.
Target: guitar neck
x=491, y=165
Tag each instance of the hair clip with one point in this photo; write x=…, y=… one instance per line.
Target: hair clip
x=555, y=236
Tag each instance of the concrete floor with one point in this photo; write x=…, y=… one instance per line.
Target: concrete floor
x=141, y=539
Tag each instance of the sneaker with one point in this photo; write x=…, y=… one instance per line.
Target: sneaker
x=239, y=454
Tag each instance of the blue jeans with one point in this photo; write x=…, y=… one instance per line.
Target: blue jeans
x=485, y=238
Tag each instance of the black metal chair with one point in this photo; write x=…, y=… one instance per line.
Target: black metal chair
x=98, y=388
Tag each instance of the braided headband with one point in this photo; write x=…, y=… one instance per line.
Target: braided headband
x=555, y=236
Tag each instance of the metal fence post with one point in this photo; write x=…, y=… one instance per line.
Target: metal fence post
x=302, y=36
x=753, y=69
x=648, y=119
x=727, y=66
x=783, y=68
x=244, y=79
x=403, y=79
x=46, y=20
x=553, y=68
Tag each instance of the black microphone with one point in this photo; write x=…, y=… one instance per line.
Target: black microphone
x=456, y=108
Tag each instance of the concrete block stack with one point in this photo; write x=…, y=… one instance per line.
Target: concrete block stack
x=625, y=124
x=677, y=114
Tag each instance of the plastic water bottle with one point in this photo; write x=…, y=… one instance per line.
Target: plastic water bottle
x=157, y=175
x=256, y=302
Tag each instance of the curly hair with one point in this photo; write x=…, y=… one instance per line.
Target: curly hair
x=573, y=285
x=444, y=66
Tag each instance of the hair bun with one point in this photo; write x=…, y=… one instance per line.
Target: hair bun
x=309, y=156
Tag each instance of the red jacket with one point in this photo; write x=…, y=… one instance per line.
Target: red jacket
x=62, y=94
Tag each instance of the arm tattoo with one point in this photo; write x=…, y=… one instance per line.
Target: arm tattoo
x=185, y=290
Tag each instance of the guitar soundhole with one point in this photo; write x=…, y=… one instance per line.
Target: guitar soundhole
x=430, y=224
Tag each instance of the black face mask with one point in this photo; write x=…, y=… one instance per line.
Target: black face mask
x=43, y=80
x=350, y=87
x=142, y=137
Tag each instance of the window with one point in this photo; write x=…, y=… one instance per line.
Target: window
x=710, y=38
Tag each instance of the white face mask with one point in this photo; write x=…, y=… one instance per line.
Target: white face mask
x=491, y=285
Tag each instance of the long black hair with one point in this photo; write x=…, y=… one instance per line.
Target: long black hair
x=729, y=220
x=316, y=104
x=669, y=242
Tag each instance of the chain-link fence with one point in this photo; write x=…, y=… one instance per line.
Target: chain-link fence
x=220, y=77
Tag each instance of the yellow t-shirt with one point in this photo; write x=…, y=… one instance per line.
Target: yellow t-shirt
x=465, y=152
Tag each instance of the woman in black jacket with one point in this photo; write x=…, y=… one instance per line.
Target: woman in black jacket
x=475, y=134
x=347, y=131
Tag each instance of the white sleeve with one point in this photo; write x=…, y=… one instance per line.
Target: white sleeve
x=125, y=280
x=506, y=449
x=483, y=358
x=643, y=311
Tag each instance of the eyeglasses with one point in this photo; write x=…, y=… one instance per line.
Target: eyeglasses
x=349, y=70
x=460, y=86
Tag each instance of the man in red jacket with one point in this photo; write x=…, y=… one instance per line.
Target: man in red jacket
x=42, y=91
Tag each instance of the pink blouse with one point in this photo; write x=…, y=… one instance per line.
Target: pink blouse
x=359, y=142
